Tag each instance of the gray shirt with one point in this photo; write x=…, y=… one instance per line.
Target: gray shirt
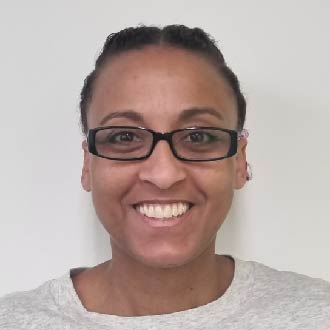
x=258, y=298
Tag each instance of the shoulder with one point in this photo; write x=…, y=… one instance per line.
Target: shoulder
x=290, y=296
x=33, y=309
x=290, y=283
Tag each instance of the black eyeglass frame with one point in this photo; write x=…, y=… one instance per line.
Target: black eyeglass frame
x=158, y=136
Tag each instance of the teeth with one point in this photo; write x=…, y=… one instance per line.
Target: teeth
x=168, y=211
x=158, y=212
x=163, y=211
x=175, y=211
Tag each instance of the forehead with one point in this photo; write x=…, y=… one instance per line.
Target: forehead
x=159, y=83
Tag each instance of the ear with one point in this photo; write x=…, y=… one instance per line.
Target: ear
x=241, y=175
x=85, y=173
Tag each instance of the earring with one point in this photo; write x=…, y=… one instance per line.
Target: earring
x=249, y=172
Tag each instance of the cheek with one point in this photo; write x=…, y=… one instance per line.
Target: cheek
x=217, y=185
x=109, y=184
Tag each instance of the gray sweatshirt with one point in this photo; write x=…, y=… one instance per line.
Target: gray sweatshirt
x=258, y=298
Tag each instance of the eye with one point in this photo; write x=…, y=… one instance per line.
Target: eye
x=122, y=137
x=201, y=137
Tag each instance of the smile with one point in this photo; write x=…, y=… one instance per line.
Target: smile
x=163, y=211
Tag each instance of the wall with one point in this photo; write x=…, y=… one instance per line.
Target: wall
x=280, y=51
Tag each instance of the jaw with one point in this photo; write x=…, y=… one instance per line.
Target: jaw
x=164, y=243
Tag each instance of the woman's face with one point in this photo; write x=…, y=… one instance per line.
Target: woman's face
x=159, y=83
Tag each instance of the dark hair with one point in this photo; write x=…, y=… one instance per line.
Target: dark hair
x=180, y=36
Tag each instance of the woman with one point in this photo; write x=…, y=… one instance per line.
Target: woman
x=164, y=151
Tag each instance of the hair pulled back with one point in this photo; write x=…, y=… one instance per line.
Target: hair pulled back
x=179, y=36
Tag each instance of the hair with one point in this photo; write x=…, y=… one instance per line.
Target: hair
x=178, y=36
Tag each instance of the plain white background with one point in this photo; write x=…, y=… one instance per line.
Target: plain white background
x=279, y=49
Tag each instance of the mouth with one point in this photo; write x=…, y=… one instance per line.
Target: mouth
x=167, y=211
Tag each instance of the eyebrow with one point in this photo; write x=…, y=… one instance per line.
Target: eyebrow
x=128, y=114
x=184, y=115
x=195, y=111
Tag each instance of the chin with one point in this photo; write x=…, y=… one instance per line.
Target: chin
x=167, y=258
x=165, y=263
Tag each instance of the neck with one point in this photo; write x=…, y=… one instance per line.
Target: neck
x=130, y=288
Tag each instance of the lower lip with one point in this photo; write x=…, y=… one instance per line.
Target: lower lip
x=158, y=223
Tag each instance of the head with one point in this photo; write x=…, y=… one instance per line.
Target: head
x=151, y=77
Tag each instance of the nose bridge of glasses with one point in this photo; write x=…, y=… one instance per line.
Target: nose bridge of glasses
x=162, y=137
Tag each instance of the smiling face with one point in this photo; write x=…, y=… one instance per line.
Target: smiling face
x=163, y=89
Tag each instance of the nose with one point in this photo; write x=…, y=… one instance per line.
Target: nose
x=162, y=169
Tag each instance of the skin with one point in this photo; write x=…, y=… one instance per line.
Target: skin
x=160, y=270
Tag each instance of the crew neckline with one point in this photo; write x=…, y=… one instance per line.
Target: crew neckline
x=234, y=296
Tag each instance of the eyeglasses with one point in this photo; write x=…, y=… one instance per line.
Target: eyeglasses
x=196, y=144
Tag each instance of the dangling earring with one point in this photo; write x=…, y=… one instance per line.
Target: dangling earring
x=249, y=172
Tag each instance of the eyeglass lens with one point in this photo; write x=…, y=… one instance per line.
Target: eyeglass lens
x=129, y=143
